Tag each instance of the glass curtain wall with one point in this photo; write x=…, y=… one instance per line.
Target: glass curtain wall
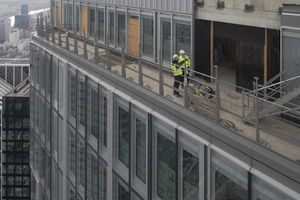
x=165, y=162
x=70, y=16
x=101, y=24
x=92, y=21
x=111, y=26
x=121, y=30
x=72, y=95
x=81, y=98
x=53, y=9
x=166, y=40
x=147, y=35
x=92, y=114
x=103, y=121
x=64, y=14
x=227, y=179
x=77, y=16
x=122, y=136
x=191, y=168
x=139, y=151
x=182, y=31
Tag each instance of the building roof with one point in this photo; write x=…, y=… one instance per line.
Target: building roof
x=4, y=88
x=14, y=62
x=20, y=90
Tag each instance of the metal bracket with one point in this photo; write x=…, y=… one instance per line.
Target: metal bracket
x=220, y=5
x=249, y=8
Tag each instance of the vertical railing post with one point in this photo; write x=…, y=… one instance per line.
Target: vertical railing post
x=161, y=83
x=52, y=31
x=243, y=103
x=85, y=55
x=257, y=112
x=218, y=99
x=67, y=41
x=123, y=61
x=140, y=66
x=75, y=41
x=108, y=63
x=96, y=53
x=59, y=37
x=186, y=97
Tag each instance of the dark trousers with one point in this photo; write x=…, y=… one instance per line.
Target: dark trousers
x=177, y=80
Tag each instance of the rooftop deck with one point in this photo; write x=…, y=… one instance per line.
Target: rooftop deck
x=233, y=104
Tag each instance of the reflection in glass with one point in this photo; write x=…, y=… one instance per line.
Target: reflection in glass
x=54, y=82
x=81, y=166
x=141, y=150
x=122, y=193
x=121, y=29
x=72, y=95
x=61, y=85
x=166, y=40
x=111, y=27
x=77, y=17
x=148, y=36
x=100, y=24
x=70, y=16
x=183, y=38
x=92, y=22
x=102, y=181
x=166, y=165
x=81, y=98
x=92, y=114
x=124, y=134
x=190, y=171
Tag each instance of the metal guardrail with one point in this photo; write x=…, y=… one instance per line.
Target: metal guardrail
x=124, y=62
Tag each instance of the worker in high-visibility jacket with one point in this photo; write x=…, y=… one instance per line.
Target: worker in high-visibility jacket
x=177, y=72
x=186, y=63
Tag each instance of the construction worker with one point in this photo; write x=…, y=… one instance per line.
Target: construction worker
x=186, y=63
x=177, y=71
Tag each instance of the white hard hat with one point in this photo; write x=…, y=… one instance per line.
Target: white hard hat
x=181, y=51
x=175, y=56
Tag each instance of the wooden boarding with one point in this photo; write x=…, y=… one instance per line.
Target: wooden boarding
x=202, y=106
x=134, y=37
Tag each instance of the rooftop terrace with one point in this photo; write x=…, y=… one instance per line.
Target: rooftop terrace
x=230, y=103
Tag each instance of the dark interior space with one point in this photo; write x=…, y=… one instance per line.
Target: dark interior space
x=202, y=46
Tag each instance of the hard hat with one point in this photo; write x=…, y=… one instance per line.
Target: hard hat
x=181, y=51
x=175, y=56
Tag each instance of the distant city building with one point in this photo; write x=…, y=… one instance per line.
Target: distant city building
x=5, y=27
x=14, y=71
x=23, y=22
x=15, y=143
x=14, y=35
x=24, y=9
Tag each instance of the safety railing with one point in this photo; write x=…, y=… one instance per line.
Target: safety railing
x=216, y=99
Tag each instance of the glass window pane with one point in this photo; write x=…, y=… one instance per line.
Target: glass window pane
x=166, y=40
x=81, y=96
x=42, y=72
x=102, y=180
x=183, y=37
x=140, y=149
x=92, y=173
x=36, y=67
x=92, y=114
x=100, y=24
x=54, y=82
x=92, y=22
x=54, y=135
x=148, y=36
x=227, y=179
x=103, y=120
x=165, y=156
x=72, y=155
x=77, y=17
x=48, y=77
x=61, y=85
x=111, y=27
x=72, y=95
x=70, y=16
x=81, y=166
x=121, y=29
x=123, y=194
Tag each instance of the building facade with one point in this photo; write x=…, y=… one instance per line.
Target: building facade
x=5, y=27
x=15, y=143
x=96, y=135
x=14, y=71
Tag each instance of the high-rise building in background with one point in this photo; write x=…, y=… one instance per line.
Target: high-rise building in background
x=24, y=9
x=105, y=126
x=15, y=143
x=23, y=22
x=5, y=27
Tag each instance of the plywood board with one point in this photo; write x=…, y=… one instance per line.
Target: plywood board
x=134, y=37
